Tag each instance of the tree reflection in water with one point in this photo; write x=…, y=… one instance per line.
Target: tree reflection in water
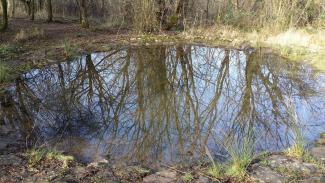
x=165, y=103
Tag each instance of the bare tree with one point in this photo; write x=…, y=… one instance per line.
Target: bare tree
x=13, y=10
x=83, y=14
x=11, y=7
x=49, y=10
x=32, y=9
x=4, y=5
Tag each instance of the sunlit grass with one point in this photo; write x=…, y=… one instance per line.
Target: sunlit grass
x=238, y=165
x=241, y=155
x=305, y=44
x=297, y=151
x=36, y=155
x=215, y=171
x=187, y=177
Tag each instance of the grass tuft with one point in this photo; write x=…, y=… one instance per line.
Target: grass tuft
x=241, y=157
x=297, y=150
x=215, y=171
x=69, y=51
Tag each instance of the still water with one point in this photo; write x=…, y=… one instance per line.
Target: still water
x=166, y=103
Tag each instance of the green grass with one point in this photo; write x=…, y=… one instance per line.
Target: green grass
x=297, y=150
x=241, y=157
x=7, y=50
x=4, y=72
x=216, y=170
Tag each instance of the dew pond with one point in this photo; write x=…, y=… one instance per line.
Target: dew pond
x=166, y=104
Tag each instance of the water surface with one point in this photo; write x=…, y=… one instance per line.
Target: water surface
x=166, y=103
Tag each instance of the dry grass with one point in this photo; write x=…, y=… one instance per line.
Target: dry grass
x=28, y=34
x=296, y=44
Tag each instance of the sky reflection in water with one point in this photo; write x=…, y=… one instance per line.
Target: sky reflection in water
x=166, y=103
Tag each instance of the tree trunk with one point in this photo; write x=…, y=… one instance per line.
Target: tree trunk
x=32, y=9
x=49, y=10
x=83, y=14
x=4, y=15
x=207, y=11
x=13, y=9
x=9, y=7
x=161, y=14
x=180, y=12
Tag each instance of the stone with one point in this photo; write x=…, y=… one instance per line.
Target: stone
x=318, y=153
x=266, y=175
x=203, y=179
x=291, y=164
x=314, y=180
x=165, y=176
x=6, y=160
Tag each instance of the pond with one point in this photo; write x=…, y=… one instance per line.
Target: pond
x=166, y=104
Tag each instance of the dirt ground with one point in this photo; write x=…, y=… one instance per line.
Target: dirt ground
x=57, y=31
x=49, y=45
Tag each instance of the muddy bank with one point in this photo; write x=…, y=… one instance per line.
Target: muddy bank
x=18, y=164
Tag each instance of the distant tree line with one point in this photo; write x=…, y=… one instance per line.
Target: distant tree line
x=150, y=15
